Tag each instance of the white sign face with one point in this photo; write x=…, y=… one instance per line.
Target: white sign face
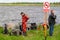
x=46, y=6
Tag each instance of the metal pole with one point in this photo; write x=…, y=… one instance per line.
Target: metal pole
x=45, y=25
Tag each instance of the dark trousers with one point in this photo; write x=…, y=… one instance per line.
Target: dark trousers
x=51, y=29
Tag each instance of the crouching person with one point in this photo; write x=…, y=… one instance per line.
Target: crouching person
x=5, y=29
x=10, y=27
x=33, y=26
x=24, y=22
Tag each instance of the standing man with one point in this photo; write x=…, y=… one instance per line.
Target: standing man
x=51, y=21
x=24, y=22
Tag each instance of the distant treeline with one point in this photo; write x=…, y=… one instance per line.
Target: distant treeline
x=28, y=4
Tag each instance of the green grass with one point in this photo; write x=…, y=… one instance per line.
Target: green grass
x=33, y=35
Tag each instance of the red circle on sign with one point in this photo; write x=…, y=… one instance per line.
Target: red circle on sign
x=46, y=6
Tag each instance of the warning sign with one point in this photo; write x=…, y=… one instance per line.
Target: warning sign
x=46, y=6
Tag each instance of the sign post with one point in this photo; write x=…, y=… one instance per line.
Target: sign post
x=46, y=8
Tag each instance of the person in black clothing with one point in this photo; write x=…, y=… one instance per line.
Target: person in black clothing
x=5, y=29
x=51, y=21
x=33, y=26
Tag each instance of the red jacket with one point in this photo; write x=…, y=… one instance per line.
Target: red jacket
x=24, y=18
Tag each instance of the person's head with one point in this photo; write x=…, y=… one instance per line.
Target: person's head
x=52, y=12
x=22, y=13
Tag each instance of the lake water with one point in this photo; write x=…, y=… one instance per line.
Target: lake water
x=12, y=14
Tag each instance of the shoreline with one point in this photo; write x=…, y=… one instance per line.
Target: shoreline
x=27, y=4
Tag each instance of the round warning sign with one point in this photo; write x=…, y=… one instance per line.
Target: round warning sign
x=46, y=6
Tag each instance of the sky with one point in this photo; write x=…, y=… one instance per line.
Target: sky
x=10, y=1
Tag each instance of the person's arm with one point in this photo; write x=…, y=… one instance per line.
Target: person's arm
x=54, y=17
x=27, y=18
x=49, y=18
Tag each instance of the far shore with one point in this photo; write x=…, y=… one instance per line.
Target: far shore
x=27, y=4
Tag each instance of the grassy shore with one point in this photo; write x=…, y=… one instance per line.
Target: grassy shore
x=33, y=35
x=27, y=4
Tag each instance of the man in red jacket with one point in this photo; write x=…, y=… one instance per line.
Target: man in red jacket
x=24, y=24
